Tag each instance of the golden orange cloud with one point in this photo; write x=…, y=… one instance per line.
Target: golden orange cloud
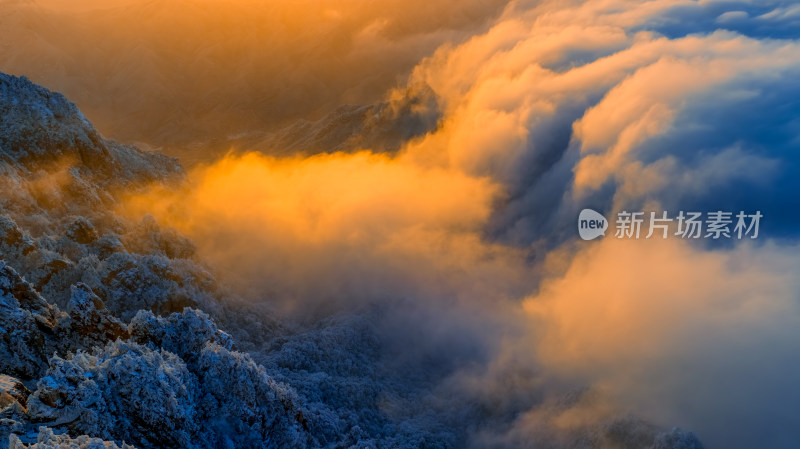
x=329, y=226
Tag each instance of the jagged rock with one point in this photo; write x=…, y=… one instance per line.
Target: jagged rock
x=11, y=283
x=12, y=390
x=13, y=419
x=51, y=268
x=82, y=231
x=42, y=128
x=13, y=406
x=130, y=283
x=107, y=245
x=32, y=330
x=12, y=239
x=27, y=326
x=90, y=319
x=47, y=439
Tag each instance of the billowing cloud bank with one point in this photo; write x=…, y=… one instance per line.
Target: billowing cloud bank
x=465, y=237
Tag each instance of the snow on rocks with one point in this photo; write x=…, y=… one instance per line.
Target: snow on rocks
x=47, y=439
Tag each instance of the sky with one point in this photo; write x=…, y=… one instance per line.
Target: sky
x=523, y=114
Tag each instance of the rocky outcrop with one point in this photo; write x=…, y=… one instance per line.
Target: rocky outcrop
x=12, y=390
x=47, y=439
x=90, y=321
x=13, y=406
x=29, y=326
x=42, y=128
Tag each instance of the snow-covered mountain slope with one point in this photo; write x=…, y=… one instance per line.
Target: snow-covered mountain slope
x=109, y=367
x=115, y=334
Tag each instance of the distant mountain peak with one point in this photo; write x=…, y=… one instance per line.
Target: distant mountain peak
x=39, y=127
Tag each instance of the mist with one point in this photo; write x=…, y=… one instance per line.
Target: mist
x=457, y=245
